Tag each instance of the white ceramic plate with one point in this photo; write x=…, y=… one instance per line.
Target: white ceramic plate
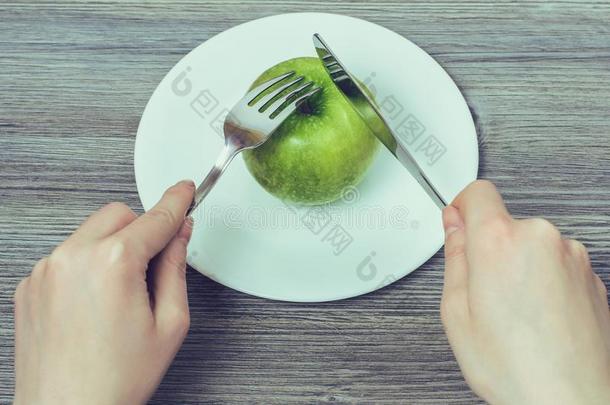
x=246, y=239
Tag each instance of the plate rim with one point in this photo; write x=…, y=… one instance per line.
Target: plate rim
x=302, y=299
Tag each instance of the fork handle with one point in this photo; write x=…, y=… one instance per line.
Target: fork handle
x=226, y=155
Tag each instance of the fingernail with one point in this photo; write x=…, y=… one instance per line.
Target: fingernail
x=186, y=230
x=186, y=183
x=452, y=220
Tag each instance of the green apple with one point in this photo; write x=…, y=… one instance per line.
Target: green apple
x=320, y=150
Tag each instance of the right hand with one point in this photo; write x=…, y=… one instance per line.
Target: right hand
x=525, y=315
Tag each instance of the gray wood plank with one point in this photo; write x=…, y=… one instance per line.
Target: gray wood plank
x=74, y=80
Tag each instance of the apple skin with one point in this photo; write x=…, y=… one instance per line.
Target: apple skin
x=320, y=150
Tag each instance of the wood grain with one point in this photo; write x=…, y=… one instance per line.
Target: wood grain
x=74, y=80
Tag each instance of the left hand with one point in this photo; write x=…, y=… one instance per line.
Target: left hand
x=100, y=319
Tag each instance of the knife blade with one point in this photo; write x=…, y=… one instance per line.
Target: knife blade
x=358, y=97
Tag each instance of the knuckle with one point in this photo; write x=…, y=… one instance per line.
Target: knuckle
x=120, y=209
x=60, y=257
x=603, y=289
x=116, y=249
x=116, y=206
x=180, y=322
x=454, y=251
x=446, y=307
x=39, y=268
x=165, y=215
x=176, y=261
x=41, y=263
x=20, y=290
x=496, y=231
x=184, y=322
x=453, y=306
x=62, y=262
x=498, y=225
x=545, y=228
x=578, y=250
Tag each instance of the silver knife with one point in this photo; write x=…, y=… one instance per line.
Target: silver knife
x=359, y=98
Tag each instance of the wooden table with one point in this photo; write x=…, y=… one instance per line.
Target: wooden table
x=74, y=80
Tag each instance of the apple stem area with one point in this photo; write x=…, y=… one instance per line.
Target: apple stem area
x=306, y=107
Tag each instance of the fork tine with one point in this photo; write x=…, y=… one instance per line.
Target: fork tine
x=266, y=100
x=289, y=97
x=255, y=92
x=280, y=116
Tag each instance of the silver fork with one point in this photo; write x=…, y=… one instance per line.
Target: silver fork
x=252, y=121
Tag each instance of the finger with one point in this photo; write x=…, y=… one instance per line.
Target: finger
x=479, y=202
x=601, y=287
x=104, y=222
x=20, y=291
x=576, y=249
x=168, y=282
x=39, y=268
x=454, y=302
x=36, y=283
x=20, y=314
x=455, y=250
x=151, y=232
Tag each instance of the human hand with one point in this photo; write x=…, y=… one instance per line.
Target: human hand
x=525, y=315
x=100, y=319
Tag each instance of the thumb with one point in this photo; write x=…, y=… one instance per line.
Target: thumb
x=456, y=265
x=168, y=278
